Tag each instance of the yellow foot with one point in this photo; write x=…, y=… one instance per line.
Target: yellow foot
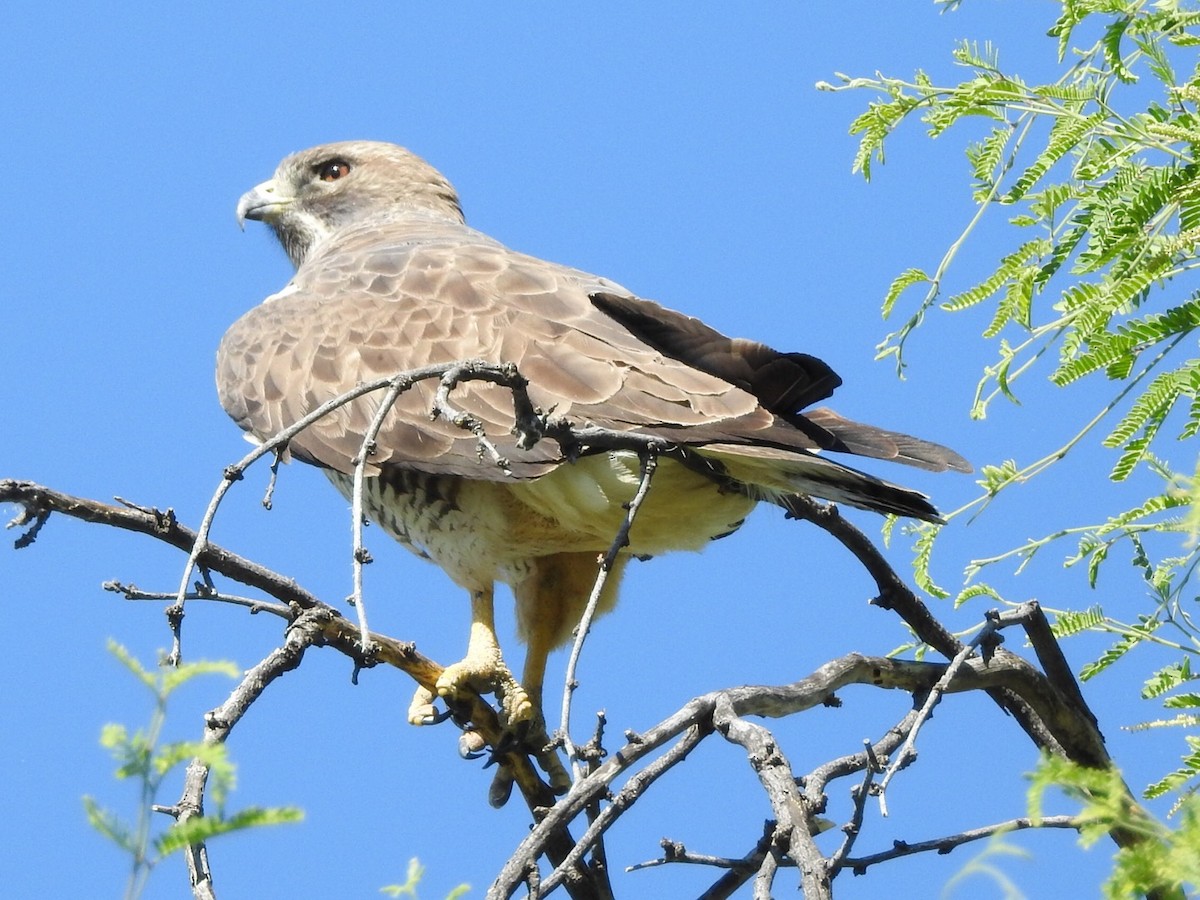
x=529, y=731
x=421, y=710
x=490, y=677
x=457, y=679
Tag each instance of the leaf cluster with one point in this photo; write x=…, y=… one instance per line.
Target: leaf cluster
x=1098, y=178
x=147, y=761
x=1168, y=860
x=412, y=879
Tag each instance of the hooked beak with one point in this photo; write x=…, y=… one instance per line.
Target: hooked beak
x=262, y=203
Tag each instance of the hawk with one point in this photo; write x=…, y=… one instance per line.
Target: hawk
x=390, y=278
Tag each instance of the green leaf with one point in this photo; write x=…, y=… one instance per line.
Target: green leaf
x=967, y=53
x=110, y=825
x=985, y=158
x=1182, y=701
x=1065, y=135
x=1067, y=623
x=979, y=589
x=994, y=478
x=128, y=660
x=900, y=284
x=875, y=124
x=986, y=96
x=204, y=828
x=1110, y=656
x=113, y=736
x=1167, y=679
x=416, y=872
x=1009, y=266
x=1112, y=49
x=1015, y=306
x=175, y=676
x=926, y=536
x=1145, y=415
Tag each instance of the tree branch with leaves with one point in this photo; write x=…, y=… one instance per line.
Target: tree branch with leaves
x=1096, y=176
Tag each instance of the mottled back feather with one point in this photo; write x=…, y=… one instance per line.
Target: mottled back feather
x=386, y=286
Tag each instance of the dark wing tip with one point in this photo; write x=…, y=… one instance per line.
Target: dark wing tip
x=783, y=383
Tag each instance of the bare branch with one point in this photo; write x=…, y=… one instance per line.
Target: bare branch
x=649, y=460
x=699, y=718
x=359, y=556
x=859, y=865
x=793, y=836
x=1049, y=707
x=675, y=852
x=621, y=801
x=255, y=605
x=1066, y=735
x=858, y=794
x=986, y=638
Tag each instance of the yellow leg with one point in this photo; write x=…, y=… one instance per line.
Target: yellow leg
x=550, y=603
x=483, y=668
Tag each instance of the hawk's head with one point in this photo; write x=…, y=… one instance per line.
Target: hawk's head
x=316, y=192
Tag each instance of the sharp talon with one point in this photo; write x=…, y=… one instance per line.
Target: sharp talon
x=421, y=710
x=501, y=789
x=560, y=780
x=471, y=745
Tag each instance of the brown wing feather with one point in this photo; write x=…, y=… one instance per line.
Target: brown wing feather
x=784, y=383
x=365, y=307
x=377, y=301
x=878, y=443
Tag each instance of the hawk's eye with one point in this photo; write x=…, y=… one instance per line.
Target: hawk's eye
x=333, y=170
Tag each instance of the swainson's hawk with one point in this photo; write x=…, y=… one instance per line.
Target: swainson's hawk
x=389, y=278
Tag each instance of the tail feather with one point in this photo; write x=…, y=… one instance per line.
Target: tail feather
x=879, y=443
x=774, y=475
x=776, y=460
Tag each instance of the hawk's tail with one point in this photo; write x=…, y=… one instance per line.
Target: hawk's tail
x=774, y=475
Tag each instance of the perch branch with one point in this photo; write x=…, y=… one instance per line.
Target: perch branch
x=39, y=502
x=675, y=852
x=698, y=718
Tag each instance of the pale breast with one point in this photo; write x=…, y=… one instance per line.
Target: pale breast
x=480, y=532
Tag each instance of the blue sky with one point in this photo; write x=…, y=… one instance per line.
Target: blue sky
x=680, y=149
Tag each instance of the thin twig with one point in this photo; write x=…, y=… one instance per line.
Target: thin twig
x=649, y=462
x=869, y=760
x=731, y=881
x=254, y=604
x=907, y=751
x=360, y=557
x=858, y=795
x=621, y=801
x=676, y=852
x=304, y=632
x=859, y=865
